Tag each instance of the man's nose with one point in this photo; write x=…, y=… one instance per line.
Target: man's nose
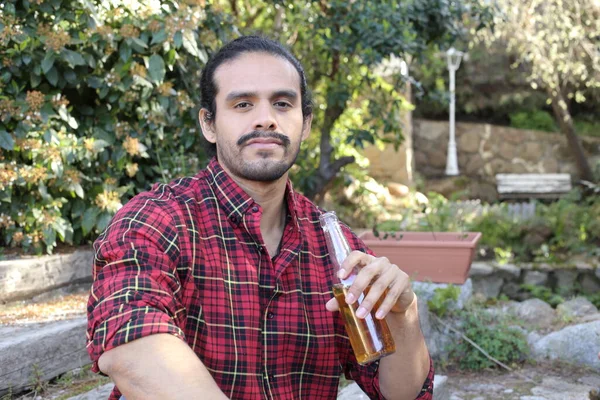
x=265, y=118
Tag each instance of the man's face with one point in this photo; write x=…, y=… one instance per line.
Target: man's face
x=259, y=125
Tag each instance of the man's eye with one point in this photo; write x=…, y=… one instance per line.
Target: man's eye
x=283, y=104
x=243, y=104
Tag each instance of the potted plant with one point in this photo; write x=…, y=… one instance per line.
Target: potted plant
x=429, y=244
x=441, y=257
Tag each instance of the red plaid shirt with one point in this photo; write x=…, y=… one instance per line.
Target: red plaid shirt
x=188, y=259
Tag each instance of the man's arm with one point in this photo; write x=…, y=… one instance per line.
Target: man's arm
x=402, y=374
x=159, y=366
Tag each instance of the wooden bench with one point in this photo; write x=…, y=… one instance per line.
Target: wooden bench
x=532, y=186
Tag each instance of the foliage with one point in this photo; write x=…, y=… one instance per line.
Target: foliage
x=358, y=87
x=442, y=299
x=535, y=120
x=494, y=334
x=557, y=231
x=89, y=91
x=556, y=40
x=544, y=293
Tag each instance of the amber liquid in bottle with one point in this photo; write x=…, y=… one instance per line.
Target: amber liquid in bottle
x=370, y=337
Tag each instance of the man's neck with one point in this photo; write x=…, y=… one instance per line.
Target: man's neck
x=271, y=197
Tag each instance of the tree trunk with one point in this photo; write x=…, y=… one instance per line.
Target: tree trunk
x=328, y=169
x=563, y=116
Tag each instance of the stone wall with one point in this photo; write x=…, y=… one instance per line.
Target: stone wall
x=486, y=150
x=491, y=279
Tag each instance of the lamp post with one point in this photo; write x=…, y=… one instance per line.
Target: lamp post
x=453, y=56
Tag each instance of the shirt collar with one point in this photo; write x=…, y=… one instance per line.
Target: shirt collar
x=234, y=200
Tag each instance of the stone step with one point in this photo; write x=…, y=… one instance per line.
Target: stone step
x=31, y=352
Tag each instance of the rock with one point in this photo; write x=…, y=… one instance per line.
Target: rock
x=573, y=344
x=27, y=277
x=352, y=392
x=43, y=350
x=469, y=141
x=99, y=393
x=426, y=290
x=577, y=307
x=555, y=388
x=488, y=286
x=536, y=278
x=598, y=272
x=514, y=291
x=440, y=388
x=398, y=189
x=535, y=312
x=589, y=284
x=532, y=338
x=480, y=269
x=565, y=280
x=474, y=166
x=508, y=271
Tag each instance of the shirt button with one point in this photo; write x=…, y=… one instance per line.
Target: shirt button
x=233, y=218
x=270, y=315
x=254, y=209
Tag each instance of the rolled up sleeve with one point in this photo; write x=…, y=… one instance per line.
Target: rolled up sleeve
x=136, y=289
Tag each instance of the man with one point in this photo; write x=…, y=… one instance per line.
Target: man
x=219, y=286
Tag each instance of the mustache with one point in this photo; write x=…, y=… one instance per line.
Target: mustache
x=263, y=135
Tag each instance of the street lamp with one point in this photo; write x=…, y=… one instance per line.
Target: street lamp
x=453, y=56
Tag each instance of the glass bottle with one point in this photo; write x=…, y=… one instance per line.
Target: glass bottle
x=370, y=337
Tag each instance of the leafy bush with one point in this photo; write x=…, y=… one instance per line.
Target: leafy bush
x=538, y=120
x=93, y=95
x=494, y=335
x=442, y=299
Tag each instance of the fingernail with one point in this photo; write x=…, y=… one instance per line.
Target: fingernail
x=341, y=273
x=350, y=298
x=379, y=314
x=361, y=312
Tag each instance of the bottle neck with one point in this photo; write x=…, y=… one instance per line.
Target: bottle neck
x=337, y=244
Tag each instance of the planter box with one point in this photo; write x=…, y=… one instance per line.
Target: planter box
x=441, y=257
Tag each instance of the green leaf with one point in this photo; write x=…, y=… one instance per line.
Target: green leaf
x=48, y=62
x=35, y=80
x=139, y=43
x=6, y=140
x=70, y=76
x=178, y=39
x=94, y=82
x=26, y=58
x=89, y=220
x=52, y=76
x=124, y=52
x=103, y=221
x=73, y=57
x=159, y=37
x=156, y=68
x=49, y=236
x=78, y=190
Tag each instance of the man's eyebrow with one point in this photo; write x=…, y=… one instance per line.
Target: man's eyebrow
x=289, y=93
x=239, y=95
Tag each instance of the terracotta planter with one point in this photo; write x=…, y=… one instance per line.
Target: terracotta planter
x=441, y=257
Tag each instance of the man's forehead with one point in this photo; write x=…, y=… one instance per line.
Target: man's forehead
x=258, y=73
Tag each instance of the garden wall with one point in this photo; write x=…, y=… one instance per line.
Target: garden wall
x=485, y=150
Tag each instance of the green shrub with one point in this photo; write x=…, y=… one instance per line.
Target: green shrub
x=96, y=103
x=538, y=120
x=442, y=299
x=494, y=335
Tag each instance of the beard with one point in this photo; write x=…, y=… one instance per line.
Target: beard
x=264, y=169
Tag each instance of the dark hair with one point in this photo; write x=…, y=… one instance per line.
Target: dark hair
x=231, y=51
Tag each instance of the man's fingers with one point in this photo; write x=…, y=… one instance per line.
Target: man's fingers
x=355, y=258
x=332, y=305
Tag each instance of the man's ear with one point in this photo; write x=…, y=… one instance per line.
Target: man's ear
x=207, y=124
x=306, y=126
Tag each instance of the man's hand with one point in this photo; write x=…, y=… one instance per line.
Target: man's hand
x=386, y=280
